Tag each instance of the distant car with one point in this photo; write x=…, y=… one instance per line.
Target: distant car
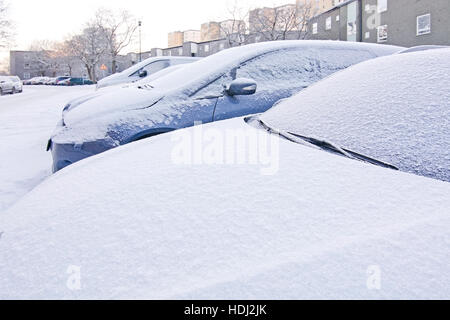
x=79, y=82
x=143, y=69
x=17, y=84
x=39, y=80
x=50, y=81
x=6, y=85
x=232, y=83
x=59, y=79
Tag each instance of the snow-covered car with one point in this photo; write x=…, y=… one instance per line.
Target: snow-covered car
x=143, y=69
x=63, y=82
x=17, y=84
x=59, y=79
x=6, y=85
x=193, y=217
x=232, y=83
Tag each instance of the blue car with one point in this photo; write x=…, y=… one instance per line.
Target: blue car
x=232, y=83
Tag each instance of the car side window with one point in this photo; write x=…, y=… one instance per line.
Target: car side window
x=297, y=67
x=153, y=67
x=214, y=88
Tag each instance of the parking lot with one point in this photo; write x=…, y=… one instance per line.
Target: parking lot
x=28, y=120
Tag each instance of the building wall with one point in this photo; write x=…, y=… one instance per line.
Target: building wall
x=400, y=18
x=175, y=39
x=191, y=36
x=209, y=31
x=26, y=65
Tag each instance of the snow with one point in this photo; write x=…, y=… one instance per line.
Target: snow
x=126, y=107
x=137, y=225
x=27, y=122
x=395, y=109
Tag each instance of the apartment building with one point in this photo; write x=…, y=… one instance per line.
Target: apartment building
x=263, y=19
x=30, y=64
x=398, y=22
x=231, y=26
x=210, y=31
x=192, y=36
x=175, y=39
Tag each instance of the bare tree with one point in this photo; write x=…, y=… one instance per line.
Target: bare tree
x=64, y=55
x=305, y=11
x=280, y=22
x=6, y=26
x=42, y=54
x=235, y=30
x=89, y=47
x=118, y=30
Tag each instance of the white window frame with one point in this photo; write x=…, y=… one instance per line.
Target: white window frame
x=380, y=40
x=424, y=31
x=314, y=28
x=382, y=6
x=328, y=23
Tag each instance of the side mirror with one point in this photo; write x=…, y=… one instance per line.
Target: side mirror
x=241, y=87
x=143, y=73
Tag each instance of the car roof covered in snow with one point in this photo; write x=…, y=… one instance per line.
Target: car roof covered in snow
x=395, y=109
x=215, y=65
x=136, y=222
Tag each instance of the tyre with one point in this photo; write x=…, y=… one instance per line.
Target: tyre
x=13, y=91
x=1, y=91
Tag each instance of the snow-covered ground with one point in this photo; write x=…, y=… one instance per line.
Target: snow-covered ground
x=26, y=122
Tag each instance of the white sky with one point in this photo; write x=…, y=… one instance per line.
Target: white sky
x=55, y=19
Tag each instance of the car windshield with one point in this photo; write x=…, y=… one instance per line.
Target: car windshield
x=384, y=109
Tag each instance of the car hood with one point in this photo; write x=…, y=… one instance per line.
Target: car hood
x=101, y=103
x=189, y=225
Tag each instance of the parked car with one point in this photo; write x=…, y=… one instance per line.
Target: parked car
x=143, y=69
x=6, y=85
x=59, y=79
x=318, y=227
x=75, y=82
x=232, y=83
x=17, y=84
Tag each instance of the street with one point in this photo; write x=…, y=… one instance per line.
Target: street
x=27, y=121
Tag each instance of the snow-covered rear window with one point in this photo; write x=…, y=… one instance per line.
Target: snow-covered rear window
x=287, y=69
x=395, y=109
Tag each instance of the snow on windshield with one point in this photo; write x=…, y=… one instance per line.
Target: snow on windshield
x=395, y=109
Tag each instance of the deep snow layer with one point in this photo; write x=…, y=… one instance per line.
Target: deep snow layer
x=26, y=122
x=394, y=108
x=130, y=223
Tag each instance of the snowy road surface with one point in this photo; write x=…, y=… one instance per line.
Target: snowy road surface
x=27, y=121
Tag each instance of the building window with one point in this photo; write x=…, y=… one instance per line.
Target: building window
x=367, y=35
x=26, y=76
x=382, y=6
x=424, y=24
x=314, y=28
x=180, y=52
x=328, y=24
x=221, y=46
x=337, y=18
x=382, y=33
x=206, y=48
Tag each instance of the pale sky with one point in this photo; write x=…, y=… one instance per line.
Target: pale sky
x=55, y=19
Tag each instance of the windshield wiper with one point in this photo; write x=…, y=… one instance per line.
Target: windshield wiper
x=327, y=146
